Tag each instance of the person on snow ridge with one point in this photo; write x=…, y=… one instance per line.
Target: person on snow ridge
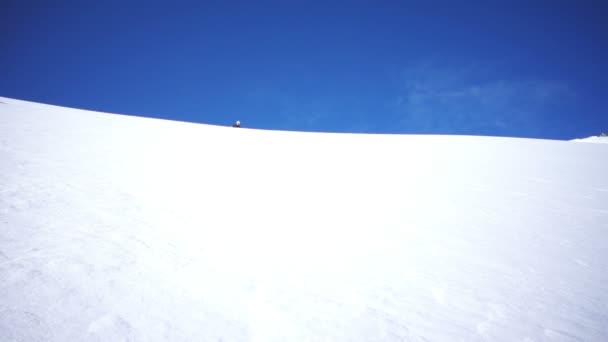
x=236, y=124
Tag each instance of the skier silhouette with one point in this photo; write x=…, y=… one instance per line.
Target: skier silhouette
x=236, y=124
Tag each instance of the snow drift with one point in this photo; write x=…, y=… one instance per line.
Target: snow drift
x=117, y=228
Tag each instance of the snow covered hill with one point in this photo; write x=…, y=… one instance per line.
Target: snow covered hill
x=117, y=228
x=601, y=139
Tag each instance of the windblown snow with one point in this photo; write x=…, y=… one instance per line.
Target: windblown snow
x=117, y=228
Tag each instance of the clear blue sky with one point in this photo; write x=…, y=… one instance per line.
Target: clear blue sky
x=510, y=68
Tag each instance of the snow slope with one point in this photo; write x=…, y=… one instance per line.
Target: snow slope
x=117, y=228
x=603, y=140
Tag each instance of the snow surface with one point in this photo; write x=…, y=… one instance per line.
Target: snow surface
x=117, y=228
x=600, y=139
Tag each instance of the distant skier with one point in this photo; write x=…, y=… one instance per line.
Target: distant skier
x=236, y=124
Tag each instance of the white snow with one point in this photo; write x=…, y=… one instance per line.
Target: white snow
x=117, y=228
x=595, y=139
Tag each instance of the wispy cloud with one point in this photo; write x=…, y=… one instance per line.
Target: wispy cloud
x=466, y=101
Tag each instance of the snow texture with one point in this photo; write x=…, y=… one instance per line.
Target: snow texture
x=118, y=228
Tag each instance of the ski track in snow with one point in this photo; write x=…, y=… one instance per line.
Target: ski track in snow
x=117, y=228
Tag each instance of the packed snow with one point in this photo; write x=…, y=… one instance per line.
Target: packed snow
x=119, y=228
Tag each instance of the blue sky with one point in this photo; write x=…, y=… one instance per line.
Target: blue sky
x=510, y=68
